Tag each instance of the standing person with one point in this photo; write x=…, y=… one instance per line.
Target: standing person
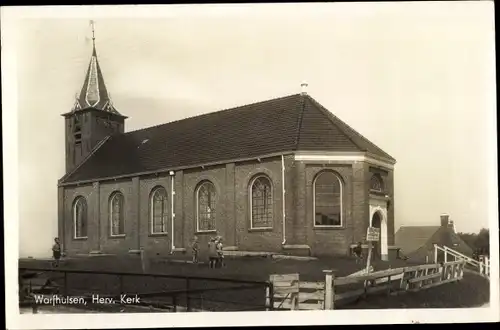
x=212, y=253
x=220, y=254
x=195, y=249
x=358, y=252
x=56, y=251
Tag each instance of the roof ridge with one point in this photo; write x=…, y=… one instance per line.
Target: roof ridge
x=213, y=113
x=300, y=121
x=332, y=117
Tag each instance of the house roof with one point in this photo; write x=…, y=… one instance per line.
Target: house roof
x=411, y=238
x=286, y=124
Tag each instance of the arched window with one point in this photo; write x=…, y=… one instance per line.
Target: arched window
x=261, y=203
x=206, y=198
x=327, y=200
x=376, y=183
x=116, y=203
x=159, y=211
x=80, y=217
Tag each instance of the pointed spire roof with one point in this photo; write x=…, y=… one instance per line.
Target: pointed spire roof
x=94, y=93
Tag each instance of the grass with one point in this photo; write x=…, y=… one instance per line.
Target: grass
x=473, y=290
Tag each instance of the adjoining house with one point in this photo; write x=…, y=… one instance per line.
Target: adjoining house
x=283, y=175
x=417, y=242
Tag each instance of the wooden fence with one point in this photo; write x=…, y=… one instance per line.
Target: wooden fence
x=291, y=294
x=482, y=267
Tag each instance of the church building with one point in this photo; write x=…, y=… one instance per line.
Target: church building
x=283, y=175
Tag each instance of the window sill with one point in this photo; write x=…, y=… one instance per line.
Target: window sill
x=202, y=232
x=328, y=227
x=117, y=236
x=260, y=229
x=158, y=234
x=80, y=238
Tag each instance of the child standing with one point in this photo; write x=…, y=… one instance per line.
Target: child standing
x=220, y=254
x=56, y=251
x=195, y=249
x=358, y=252
x=212, y=253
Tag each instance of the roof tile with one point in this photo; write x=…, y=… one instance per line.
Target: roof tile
x=284, y=124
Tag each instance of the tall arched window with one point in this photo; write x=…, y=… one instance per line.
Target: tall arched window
x=261, y=203
x=159, y=211
x=206, y=198
x=376, y=183
x=80, y=217
x=116, y=203
x=327, y=200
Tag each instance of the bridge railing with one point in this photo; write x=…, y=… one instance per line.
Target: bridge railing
x=483, y=267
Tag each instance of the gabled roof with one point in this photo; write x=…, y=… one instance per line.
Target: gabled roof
x=94, y=93
x=411, y=238
x=286, y=124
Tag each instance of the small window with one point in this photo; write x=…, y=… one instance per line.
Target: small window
x=116, y=204
x=261, y=203
x=327, y=200
x=80, y=217
x=159, y=211
x=376, y=183
x=206, y=207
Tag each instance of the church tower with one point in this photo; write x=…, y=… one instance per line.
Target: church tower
x=93, y=116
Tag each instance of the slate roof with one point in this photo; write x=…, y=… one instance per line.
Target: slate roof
x=285, y=124
x=411, y=238
x=94, y=93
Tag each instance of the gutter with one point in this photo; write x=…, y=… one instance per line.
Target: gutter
x=172, y=214
x=162, y=170
x=283, y=197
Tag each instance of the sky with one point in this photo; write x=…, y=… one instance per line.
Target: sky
x=417, y=79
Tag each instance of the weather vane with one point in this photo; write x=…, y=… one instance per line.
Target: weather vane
x=93, y=34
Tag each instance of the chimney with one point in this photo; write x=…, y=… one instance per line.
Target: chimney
x=451, y=225
x=444, y=220
x=303, y=88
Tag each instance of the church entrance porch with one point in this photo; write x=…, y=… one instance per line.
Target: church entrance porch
x=378, y=219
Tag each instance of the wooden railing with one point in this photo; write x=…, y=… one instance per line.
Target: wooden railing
x=290, y=293
x=483, y=267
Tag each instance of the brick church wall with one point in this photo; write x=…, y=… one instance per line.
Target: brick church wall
x=323, y=241
x=233, y=214
x=249, y=239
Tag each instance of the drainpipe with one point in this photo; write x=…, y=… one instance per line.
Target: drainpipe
x=172, y=214
x=283, y=196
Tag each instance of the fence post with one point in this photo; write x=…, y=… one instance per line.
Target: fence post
x=329, y=289
x=65, y=283
x=402, y=283
x=481, y=268
x=435, y=253
x=120, y=277
x=271, y=296
x=188, y=301
x=445, y=254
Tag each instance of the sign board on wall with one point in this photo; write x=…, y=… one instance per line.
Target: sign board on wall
x=373, y=234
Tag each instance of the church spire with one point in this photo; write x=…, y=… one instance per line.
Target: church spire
x=94, y=93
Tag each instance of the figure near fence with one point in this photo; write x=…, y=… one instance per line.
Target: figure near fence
x=195, y=247
x=212, y=253
x=56, y=252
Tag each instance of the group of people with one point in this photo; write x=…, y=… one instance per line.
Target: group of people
x=215, y=254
